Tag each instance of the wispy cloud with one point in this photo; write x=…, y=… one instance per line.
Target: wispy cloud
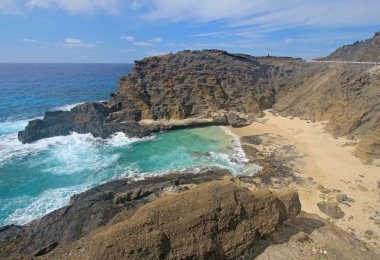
x=11, y=7
x=78, y=6
x=209, y=34
x=135, y=4
x=77, y=43
x=29, y=40
x=128, y=38
x=144, y=44
x=158, y=39
x=132, y=39
x=268, y=13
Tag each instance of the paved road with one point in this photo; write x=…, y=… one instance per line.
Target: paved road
x=345, y=62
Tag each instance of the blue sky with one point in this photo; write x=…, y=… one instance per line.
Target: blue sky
x=126, y=30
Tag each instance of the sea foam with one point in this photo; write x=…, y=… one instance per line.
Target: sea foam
x=45, y=203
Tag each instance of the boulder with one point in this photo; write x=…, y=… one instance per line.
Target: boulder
x=290, y=203
x=341, y=198
x=236, y=120
x=331, y=209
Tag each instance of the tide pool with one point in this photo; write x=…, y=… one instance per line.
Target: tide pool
x=40, y=177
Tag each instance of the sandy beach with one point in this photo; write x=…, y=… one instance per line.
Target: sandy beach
x=328, y=168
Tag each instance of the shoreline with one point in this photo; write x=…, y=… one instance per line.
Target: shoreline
x=327, y=168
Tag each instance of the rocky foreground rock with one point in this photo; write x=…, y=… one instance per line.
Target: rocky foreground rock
x=211, y=87
x=187, y=216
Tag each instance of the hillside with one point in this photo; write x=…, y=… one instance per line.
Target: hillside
x=368, y=50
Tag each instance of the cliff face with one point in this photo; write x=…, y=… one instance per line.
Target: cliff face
x=194, y=83
x=345, y=95
x=210, y=87
x=368, y=50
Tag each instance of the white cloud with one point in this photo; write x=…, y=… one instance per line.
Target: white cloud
x=29, y=40
x=158, y=39
x=39, y=3
x=143, y=44
x=77, y=43
x=10, y=7
x=132, y=39
x=135, y=4
x=266, y=14
x=128, y=38
x=209, y=34
x=78, y=6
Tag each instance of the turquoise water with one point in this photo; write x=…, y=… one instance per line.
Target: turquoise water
x=38, y=178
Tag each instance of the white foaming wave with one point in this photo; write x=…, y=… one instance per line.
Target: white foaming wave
x=120, y=139
x=12, y=148
x=238, y=159
x=137, y=176
x=72, y=149
x=234, y=163
x=239, y=151
x=45, y=203
x=10, y=126
x=67, y=107
x=77, y=153
x=240, y=154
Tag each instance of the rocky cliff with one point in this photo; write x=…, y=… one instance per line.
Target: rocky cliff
x=194, y=84
x=368, y=50
x=211, y=87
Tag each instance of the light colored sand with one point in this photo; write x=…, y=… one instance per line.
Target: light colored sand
x=330, y=163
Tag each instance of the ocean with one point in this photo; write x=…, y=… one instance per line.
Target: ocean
x=38, y=178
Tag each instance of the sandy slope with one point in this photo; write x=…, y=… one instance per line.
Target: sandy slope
x=330, y=163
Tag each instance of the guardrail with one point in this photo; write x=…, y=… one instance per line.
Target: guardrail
x=345, y=62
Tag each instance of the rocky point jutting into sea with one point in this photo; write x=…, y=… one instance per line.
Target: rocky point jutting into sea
x=212, y=87
x=213, y=214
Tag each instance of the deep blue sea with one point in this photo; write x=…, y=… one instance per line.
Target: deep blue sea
x=38, y=178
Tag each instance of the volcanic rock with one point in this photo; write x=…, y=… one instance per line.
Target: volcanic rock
x=215, y=219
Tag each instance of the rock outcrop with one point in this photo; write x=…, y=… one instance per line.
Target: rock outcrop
x=194, y=84
x=155, y=219
x=190, y=88
x=211, y=87
x=86, y=118
x=365, y=51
